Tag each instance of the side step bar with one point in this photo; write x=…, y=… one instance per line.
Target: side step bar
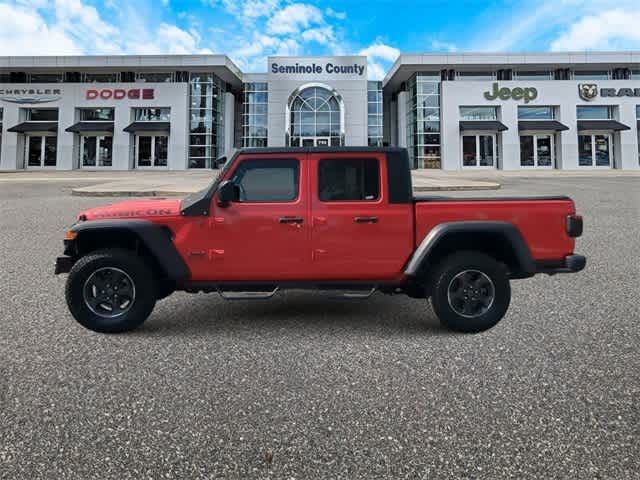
x=235, y=295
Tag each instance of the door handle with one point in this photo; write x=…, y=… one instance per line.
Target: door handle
x=365, y=219
x=290, y=220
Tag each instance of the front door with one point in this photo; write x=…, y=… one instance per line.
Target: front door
x=151, y=150
x=96, y=151
x=595, y=150
x=537, y=150
x=479, y=150
x=265, y=234
x=41, y=151
x=356, y=233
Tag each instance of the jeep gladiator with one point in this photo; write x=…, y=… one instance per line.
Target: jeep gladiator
x=342, y=219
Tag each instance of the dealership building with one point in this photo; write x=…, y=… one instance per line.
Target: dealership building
x=458, y=111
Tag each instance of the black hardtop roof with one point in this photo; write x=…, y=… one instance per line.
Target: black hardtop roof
x=318, y=149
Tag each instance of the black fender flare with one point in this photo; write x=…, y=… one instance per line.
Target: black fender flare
x=156, y=238
x=439, y=233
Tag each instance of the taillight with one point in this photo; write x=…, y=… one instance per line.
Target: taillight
x=574, y=225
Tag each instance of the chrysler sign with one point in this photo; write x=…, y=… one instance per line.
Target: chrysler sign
x=589, y=91
x=30, y=95
x=120, y=94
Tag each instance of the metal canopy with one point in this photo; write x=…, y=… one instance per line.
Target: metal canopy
x=25, y=127
x=542, y=125
x=612, y=125
x=91, y=127
x=148, y=127
x=488, y=125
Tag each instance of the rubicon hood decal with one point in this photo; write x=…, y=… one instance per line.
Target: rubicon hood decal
x=136, y=209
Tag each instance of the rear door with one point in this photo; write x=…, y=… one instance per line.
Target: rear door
x=265, y=235
x=356, y=234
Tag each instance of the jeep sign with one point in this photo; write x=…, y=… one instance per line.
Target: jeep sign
x=517, y=93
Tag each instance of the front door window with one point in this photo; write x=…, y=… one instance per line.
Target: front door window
x=152, y=150
x=536, y=150
x=42, y=151
x=479, y=150
x=34, y=151
x=594, y=150
x=96, y=151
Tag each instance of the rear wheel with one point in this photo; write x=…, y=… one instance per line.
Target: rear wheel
x=471, y=291
x=111, y=291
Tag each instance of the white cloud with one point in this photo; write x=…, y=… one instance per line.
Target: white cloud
x=439, y=46
x=259, y=8
x=382, y=51
x=25, y=32
x=379, y=58
x=71, y=27
x=613, y=29
x=293, y=18
x=321, y=35
x=332, y=13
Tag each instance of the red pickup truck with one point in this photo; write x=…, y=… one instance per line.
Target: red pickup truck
x=342, y=219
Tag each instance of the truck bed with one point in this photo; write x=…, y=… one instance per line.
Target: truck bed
x=540, y=219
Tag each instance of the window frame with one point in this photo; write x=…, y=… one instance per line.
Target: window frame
x=378, y=197
x=267, y=163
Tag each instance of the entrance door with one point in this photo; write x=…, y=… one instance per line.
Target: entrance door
x=41, y=151
x=151, y=151
x=479, y=150
x=537, y=150
x=96, y=151
x=595, y=150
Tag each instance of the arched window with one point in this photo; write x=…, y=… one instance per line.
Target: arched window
x=315, y=117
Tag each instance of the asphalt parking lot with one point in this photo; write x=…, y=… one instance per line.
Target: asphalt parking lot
x=304, y=386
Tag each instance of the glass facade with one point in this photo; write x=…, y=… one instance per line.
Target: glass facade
x=152, y=114
x=155, y=77
x=255, y=114
x=534, y=75
x=42, y=114
x=101, y=77
x=374, y=110
x=206, y=119
x=536, y=113
x=478, y=113
x=315, y=118
x=423, y=120
x=97, y=114
x=595, y=112
x=591, y=75
x=487, y=75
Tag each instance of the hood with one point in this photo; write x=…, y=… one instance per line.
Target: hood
x=142, y=208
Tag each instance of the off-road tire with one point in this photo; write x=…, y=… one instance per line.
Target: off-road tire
x=144, y=298
x=449, y=276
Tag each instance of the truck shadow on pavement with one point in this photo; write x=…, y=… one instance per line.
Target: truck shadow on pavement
x=291, y=312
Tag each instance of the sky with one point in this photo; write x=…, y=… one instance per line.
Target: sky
x=248, y=31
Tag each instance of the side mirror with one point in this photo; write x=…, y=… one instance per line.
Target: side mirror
x=227, y=193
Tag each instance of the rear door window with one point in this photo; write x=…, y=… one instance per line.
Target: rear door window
x=342, y=180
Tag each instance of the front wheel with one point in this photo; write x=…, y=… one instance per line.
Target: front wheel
x=471, y=292
x=111, y=291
